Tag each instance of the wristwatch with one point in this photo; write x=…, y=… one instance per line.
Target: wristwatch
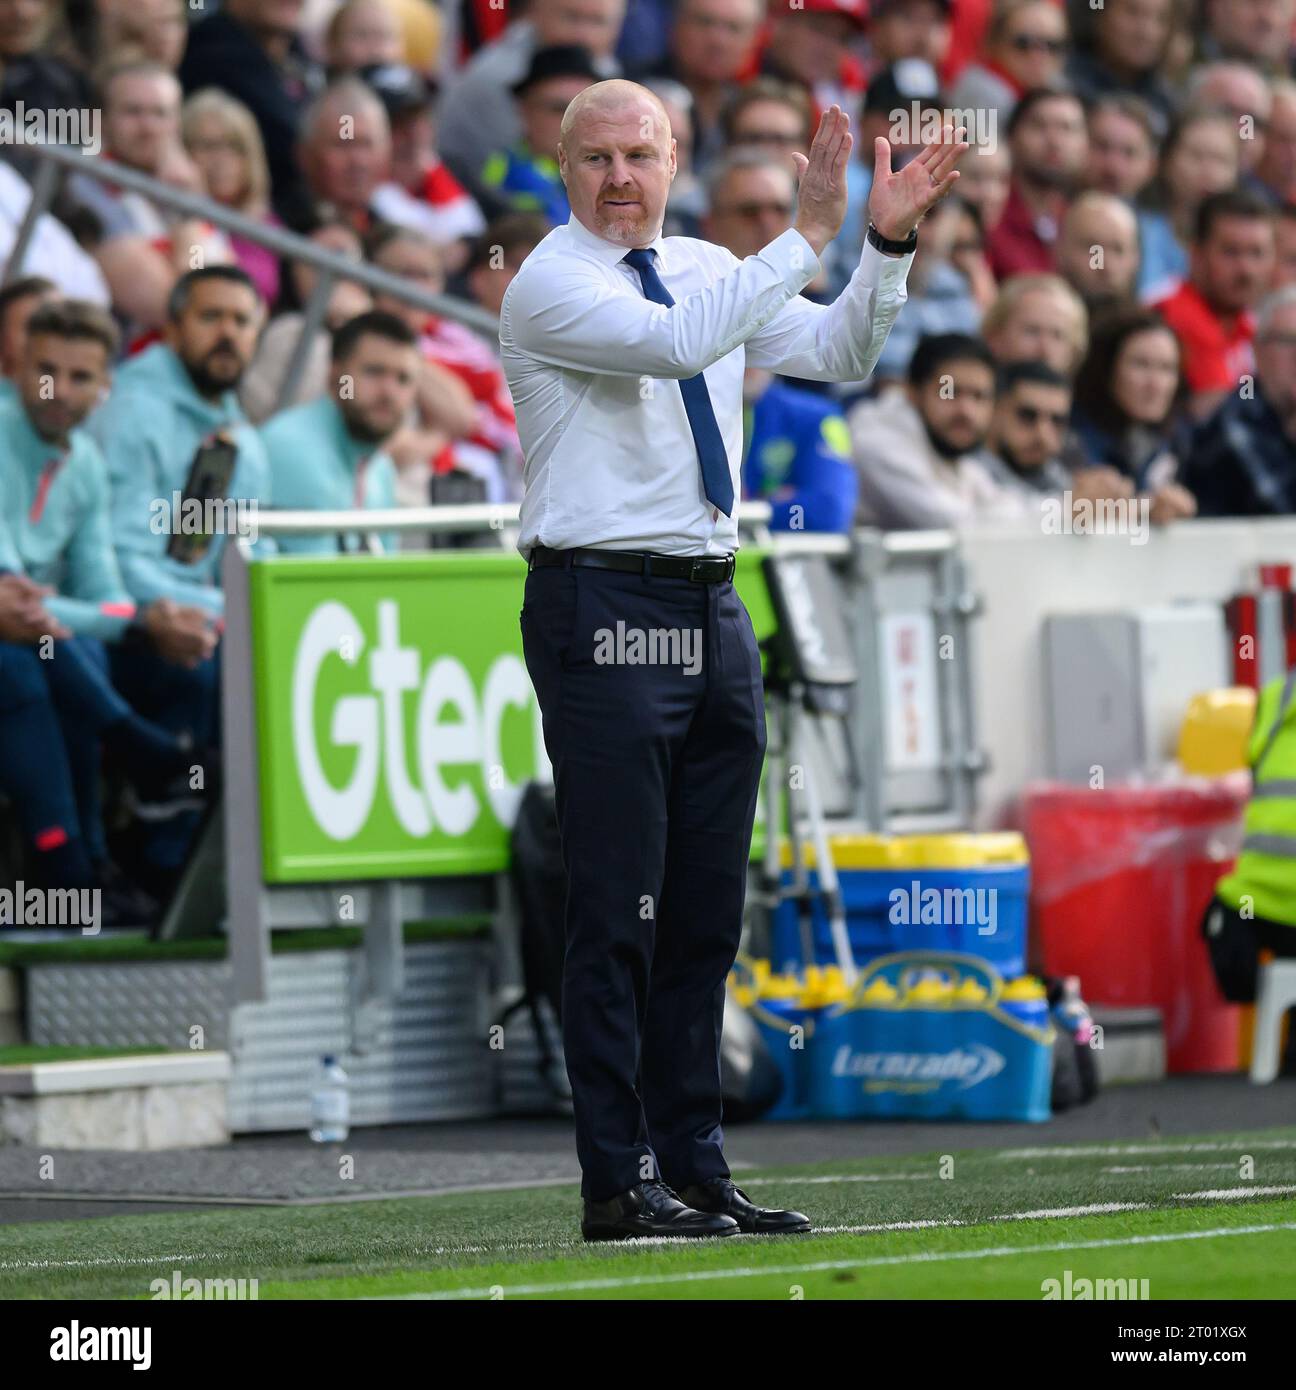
x=901, y=248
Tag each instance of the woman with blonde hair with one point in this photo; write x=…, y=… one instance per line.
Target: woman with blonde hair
x=221, y=136
x=1037, y=318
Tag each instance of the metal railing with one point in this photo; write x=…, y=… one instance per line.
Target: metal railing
x=53, y=161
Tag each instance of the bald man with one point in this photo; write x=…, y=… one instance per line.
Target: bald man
x=625, y=352
x=1097, y=251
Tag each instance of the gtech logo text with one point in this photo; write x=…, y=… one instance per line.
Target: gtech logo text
x=456, y=725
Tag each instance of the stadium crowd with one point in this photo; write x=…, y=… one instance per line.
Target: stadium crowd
x=1105, y=311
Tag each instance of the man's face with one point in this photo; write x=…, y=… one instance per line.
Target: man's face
x=61, y=382
x=712, y=39
x=142, y=119
x=1050, y=146
x=910, y=29
x=1030, y=423
x=369, y=34
x=1034, y=44
x=216, y=334
x=158, y=28
x=417, y=263
x=1277, y=165
x=13, y=330
x=1245, y=98
x=592, y=24
x=380, y=377
x=1275, y=351
x=771, y=125
x=347, y=160
x=1122, y=159
x=22, y=26
x=812, y=44
x=542, y=107
x=956, y=405
x=1038, y=329
x=751, y=208
x=618, y=171
x=1098, y=252
x=1134, y=32
x=1256, y=30
x=1234, y=265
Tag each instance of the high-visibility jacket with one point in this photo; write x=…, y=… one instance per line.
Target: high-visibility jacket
x=1264, y=882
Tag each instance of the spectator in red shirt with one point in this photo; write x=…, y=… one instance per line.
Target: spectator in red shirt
x=1050, y=147
x=1231, y=265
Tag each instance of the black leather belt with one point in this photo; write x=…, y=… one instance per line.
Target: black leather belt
x=701, y=569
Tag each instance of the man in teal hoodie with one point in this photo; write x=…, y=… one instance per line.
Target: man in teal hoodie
x=327, y=455
x=55, y=535
x=166, y=404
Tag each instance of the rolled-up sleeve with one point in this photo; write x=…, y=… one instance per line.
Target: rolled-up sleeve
x=840, y=341
x=586, y=317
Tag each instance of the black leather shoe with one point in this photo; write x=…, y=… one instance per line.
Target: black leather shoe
x=650, y=1209
x=720, y=1196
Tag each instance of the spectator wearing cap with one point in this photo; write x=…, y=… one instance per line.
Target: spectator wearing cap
x=362, y=34
x=1125, y=48
x=1230, y=268
x=909, y=29
x=918, y=450
x=1050, y=147
x=252, y=49
x=221, y=137
x=1242, y=460
x=897, y=94
x=421, y=193
x=525, y=177
x=476, y=115
x=810, y=42
x=1198, y=157
x=1025, y=47
x=713, y=50
x=1098, y=250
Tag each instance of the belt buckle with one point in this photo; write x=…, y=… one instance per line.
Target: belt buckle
x=730, y=566
x=695, y=569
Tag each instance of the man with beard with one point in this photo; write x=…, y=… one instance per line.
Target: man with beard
x=1050, y=148
x=917, y=449
x=327, y=454
x=170, y=401
x=57, y=541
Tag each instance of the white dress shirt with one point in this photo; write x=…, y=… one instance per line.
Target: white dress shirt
x=592, y=365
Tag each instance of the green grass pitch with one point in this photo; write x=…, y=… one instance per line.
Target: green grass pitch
x=1212, y=1217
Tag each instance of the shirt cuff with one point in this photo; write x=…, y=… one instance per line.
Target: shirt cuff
x=884, y=271
x=795, y=256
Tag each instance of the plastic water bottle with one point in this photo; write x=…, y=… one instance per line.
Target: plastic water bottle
x=330, y=1103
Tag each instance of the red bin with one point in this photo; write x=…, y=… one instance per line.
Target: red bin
x=1120, y=880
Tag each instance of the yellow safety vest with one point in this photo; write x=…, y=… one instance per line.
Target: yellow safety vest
x=1265, y=875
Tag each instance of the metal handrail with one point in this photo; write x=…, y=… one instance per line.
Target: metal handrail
x=330, y=265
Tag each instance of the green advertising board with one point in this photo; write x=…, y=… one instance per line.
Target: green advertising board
x=396, y=723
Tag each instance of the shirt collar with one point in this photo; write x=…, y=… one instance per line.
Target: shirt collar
x=609, y=252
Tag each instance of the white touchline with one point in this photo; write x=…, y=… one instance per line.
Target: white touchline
x=1100, y=1150
x=1168, y=1167
x=845, y=1177
x=1224, y=1194
x=821, y=1266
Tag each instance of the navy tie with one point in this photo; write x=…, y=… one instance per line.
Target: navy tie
x=716, y=480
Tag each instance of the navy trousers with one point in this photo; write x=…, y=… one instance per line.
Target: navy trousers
x=653, y=710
